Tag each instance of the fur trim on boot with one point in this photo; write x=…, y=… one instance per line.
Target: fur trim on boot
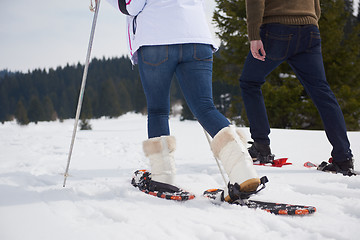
x=160, y=151
x=231, y=151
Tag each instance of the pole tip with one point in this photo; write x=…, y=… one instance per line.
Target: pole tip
x=65, y=176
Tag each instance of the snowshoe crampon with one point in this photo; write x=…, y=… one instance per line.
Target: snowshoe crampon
x=217, y=197
x=330, y=167
x=142, y=181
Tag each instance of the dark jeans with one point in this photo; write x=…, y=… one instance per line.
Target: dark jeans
x=300, y=47
x=192, y=65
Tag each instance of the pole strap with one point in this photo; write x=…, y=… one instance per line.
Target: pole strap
x=91, y=7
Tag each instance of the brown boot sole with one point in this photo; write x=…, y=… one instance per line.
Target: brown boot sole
x=250, y=185
x=247, y=186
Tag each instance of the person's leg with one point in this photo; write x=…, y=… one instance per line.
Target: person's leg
x=230, y=149
x=277, y=43
x=194, y=73
x=251, y=80
x=157, y=67
x=309, y=68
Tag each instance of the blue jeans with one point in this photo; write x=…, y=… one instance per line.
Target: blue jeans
x=300, y=47
x=192, y=65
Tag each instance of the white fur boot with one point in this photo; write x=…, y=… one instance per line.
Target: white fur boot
x=160, y=151
x=230, y=149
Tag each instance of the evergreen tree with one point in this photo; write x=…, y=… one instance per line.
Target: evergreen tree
x=230, y=19
x=109, y=103
x=35, y=111
x=3, y=103
x=341, y=54
x=86, y=114
x=21, y=114
x=49, y=112
x=86, y=108
x=124, y=98
x=85, y=124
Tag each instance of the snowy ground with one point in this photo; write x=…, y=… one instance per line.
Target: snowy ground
x=100, y=203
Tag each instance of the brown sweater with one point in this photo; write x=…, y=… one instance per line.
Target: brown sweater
x=293, y=12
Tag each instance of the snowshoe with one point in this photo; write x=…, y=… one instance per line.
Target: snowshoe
x=236, y=194
x=142, y=181
x=217, y=197
x=346, y=168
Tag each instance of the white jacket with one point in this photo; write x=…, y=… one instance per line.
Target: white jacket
x=163, y=22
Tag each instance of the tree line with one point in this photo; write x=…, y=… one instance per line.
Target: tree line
x=114, y=86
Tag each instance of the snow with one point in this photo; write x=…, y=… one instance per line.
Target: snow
x=99, y=202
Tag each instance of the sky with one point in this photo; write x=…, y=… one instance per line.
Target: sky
x=46, y=34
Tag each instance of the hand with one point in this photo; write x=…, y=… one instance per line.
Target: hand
x=255, y=46
x=92, y=7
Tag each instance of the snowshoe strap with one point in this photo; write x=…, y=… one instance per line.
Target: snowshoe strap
x=333, y=167
x=147, y=183
x=322, y=166
x=236, y=194
x=162, y=187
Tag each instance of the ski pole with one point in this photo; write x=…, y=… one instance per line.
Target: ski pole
x=82, y=89
x=217, y=160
